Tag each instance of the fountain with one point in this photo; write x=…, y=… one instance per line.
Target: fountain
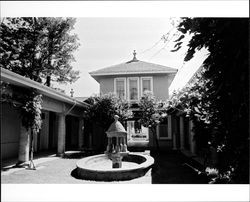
x=117, y=163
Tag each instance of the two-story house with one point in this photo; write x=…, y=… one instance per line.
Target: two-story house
x=129, y=81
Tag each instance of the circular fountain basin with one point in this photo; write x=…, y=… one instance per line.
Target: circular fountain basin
x=99, y=167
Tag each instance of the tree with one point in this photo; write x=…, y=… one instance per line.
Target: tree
x=30, y=112
x=103, y=109
x=224, y=89
x=39, y=48
x=101, y=113
x=151, y=113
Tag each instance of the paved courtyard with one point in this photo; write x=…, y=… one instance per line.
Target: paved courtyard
x=169, y=168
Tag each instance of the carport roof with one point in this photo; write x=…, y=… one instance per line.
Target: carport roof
x=16, y=79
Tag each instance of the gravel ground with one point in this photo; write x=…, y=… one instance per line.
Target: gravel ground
x=168, y=169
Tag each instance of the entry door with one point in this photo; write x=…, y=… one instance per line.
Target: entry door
x=52, y=131
x=72, y=130
x=136, y=131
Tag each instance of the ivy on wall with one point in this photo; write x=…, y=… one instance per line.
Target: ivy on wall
x=29, y=105
x=27, y=101
x=218, y=99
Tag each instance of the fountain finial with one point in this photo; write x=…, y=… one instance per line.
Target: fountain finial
x=116, y=117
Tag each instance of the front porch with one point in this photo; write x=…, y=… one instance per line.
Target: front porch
x=62, y=122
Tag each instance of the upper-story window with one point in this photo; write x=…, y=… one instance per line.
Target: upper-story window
x=133, y=88
x=120, y=87
x=146, y=84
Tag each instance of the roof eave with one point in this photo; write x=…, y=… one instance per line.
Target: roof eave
x=131, y=73
x=16, y=79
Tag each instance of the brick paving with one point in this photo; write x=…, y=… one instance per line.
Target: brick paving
x=169, y=168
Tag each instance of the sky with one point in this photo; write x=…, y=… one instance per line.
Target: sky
x=109, y=41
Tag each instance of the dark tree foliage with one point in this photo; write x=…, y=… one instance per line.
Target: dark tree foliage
x=103, y=109
x=226, y=86
x=39, y=48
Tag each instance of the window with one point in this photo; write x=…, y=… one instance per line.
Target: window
x=136, y=131
x=133, y=88
x=120, y=87
x=164, y=130
x=146, y=84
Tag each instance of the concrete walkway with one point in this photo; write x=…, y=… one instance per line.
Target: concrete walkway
x=169, y=168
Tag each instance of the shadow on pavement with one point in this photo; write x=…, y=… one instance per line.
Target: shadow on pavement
x=169, y=168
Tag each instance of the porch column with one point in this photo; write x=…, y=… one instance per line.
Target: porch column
x=170, y=131
x=117, y=147
x=174, y=141
x=24, y=145
x=80, y=133
x=182, y=133
x=109, y=145
x=61, y=134
x=191, y=138
x=124, y=144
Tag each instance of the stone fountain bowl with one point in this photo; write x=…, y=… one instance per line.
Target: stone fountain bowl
x=99, y=167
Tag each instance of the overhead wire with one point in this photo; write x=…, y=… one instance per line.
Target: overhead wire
x=148, y=49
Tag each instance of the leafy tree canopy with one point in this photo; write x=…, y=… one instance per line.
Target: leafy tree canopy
x=152, y=112
x=218, y=97
x=103, y=109
x=39, y=48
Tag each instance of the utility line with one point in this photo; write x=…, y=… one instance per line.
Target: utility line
x=151, y=46
x=167, y=41
x=166, y=38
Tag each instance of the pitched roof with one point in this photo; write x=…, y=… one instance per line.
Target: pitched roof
x=133, y=67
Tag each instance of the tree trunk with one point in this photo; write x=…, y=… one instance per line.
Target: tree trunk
x=31, y=165
x=24, y=146
x=153, y=129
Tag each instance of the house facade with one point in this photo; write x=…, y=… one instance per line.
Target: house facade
x=129, y=81
x=62, y=122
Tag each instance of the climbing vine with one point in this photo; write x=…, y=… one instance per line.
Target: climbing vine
x=199, y=102
x=28, y=101
x=217, y=100
x=29, y=104
x=31, y=111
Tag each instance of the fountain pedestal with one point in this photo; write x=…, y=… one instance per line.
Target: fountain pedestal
x=117, y=143
x=116, y=160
